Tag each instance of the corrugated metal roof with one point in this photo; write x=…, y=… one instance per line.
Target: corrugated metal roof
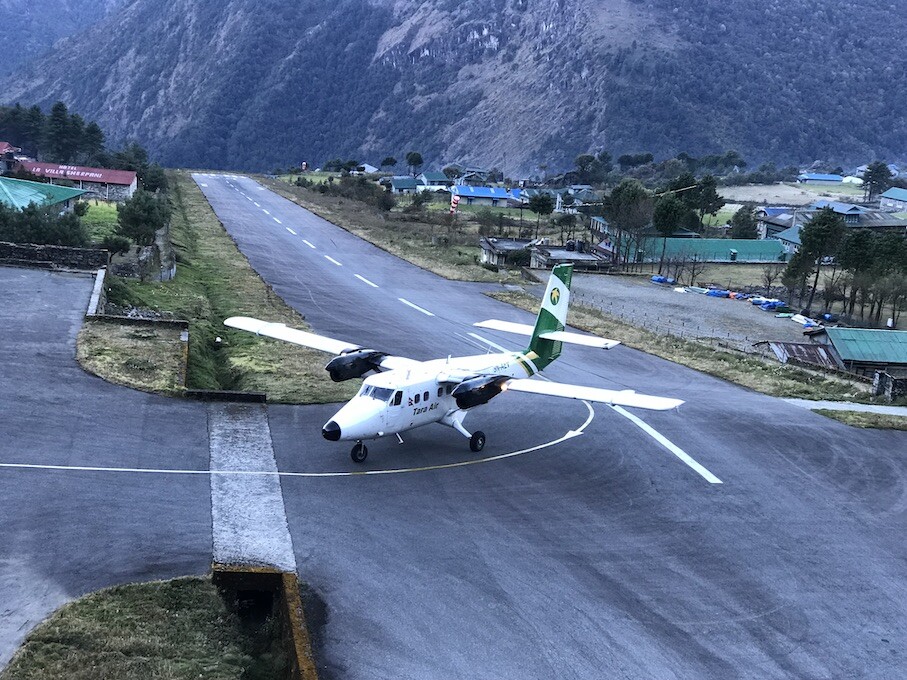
x=716, y=249
x=820, y=177
x=80, y=173
x=20, y=193
x=896, y=193
x=479, y=192
x=867, y=345
x=808, y=352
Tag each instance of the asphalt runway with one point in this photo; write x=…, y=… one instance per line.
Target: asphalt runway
x=604, y=555
x=66, y=534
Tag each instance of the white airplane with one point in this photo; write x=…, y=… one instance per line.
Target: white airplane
x=402, y=394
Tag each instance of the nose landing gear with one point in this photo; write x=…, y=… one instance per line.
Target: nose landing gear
x=359, y=452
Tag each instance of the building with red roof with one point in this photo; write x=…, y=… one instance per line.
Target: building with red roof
x=8, y=156
x=110, y=185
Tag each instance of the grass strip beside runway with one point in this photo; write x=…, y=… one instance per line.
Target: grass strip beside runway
x=177, y=629
x=214, y=280
x=866, y=420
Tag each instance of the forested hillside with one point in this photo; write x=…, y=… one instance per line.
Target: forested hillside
x=509, y=83
x=32, y=26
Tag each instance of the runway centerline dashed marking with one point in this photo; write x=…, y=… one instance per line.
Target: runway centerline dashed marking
x=414, y=306
x=257, y=205
x=291, y=231
x=669, y=445
x=308, y=243
x=265, y=211
x=277, y=220
x=366, y=281
x=331, y=259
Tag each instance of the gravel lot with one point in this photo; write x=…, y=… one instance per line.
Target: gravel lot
x=660, y=308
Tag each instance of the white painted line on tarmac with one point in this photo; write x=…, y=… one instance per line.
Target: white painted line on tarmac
x=291, y=231
x=489, y=342
x=265, y=211
x=570, y=434
x=204, y=185
x=416, y=307
x=308, y=243
x=256, y=204
x=331, y=259
x=366, y=281
x=669, y=445
x=277, y=220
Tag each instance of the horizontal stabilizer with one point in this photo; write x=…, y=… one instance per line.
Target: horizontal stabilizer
x=560, y=336
x=613, y=397
x=280, y=331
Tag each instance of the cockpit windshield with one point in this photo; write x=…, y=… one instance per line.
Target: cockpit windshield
x=379, y=393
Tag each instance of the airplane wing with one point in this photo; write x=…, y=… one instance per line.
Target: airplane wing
x=562, y=336
x=612, y=397
x=323, y=343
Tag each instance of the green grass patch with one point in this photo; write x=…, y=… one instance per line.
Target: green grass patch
x=214, y=281
x=734, y=276
x=145, y=357
x=179, y=630
x=101, y=220
x=880, y=421
x=777, y=380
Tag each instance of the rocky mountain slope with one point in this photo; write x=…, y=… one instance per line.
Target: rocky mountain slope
x=33, y=26
x=510, y=83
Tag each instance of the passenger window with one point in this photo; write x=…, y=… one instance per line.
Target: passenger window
x=425, y=396
x=449, y=389
x=440, y=391
x=416, y=399
x=398, y=398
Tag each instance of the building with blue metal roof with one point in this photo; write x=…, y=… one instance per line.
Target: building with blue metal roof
x=491, y=196
x=819, y=177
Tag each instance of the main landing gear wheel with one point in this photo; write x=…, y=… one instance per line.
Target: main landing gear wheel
x=477, y=442
x=360, y=452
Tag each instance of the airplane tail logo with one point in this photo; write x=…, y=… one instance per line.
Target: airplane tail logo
x=552, y=316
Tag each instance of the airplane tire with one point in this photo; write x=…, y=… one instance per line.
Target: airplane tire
x=477, y=442
x=359, y=453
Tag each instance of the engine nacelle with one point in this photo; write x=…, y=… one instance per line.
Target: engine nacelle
x=354, y=364
x=478, y=391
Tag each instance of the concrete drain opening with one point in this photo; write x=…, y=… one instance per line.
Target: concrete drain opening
x=260, y=594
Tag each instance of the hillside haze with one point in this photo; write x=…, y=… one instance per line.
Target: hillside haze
x=254, y=84
x=33, y=26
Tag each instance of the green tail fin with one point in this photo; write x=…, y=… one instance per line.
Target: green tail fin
x=552, y=317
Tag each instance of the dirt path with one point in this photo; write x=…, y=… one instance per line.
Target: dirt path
x=660, y=308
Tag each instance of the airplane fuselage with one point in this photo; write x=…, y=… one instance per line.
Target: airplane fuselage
x=398, y=400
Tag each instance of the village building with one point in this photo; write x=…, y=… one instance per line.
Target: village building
x=864, y=351
x=819, y=178
x=497, y=250
x=19, y=194
x=893, y=200
x=109, y=185
x=435, y=181
x=546, y=257
x=404, y=185
x=490, y=196
x=786, y=226
x=8, y=158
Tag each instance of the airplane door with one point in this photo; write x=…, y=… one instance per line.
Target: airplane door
x=396, y=412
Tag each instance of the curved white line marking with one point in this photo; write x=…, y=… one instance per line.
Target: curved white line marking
x=570, y=434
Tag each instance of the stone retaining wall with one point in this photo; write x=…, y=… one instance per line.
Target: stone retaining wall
x=52, y=257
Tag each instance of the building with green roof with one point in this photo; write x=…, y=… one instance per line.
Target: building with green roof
x=865, y=351
x=19, y=193
x=713, y=250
